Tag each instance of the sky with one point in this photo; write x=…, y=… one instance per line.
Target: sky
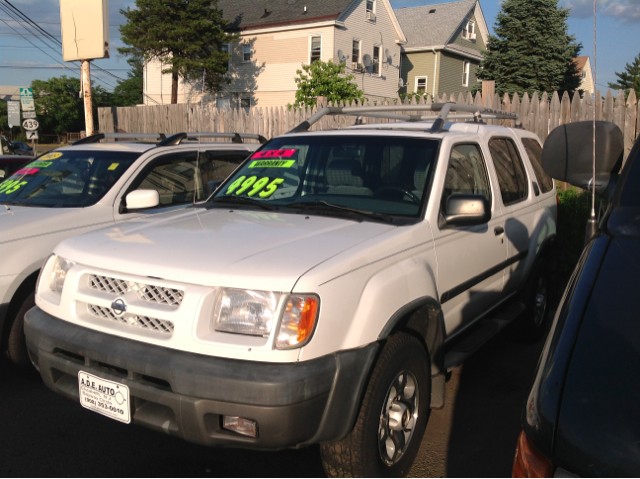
x=618, y=39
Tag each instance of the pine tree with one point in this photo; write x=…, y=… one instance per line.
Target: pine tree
x=630, y=78
x=532, y=49
x=186, y=35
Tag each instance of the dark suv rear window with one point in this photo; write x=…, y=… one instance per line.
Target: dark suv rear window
x=534, y=152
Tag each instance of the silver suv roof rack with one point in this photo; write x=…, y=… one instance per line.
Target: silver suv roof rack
x=394, y=112
x=235, y=137
x=120, y=136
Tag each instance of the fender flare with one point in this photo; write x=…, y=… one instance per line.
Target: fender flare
x=429, y=326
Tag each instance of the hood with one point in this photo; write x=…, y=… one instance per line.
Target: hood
x=19, y=222
x=218, y=247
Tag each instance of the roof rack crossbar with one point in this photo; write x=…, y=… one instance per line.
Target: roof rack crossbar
x=394, y=112
x=236, y=137
x=115, y=136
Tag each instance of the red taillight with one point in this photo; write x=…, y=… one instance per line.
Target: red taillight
x=529, y=462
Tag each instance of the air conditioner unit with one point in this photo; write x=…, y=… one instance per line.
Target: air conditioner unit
x=472, y=36
x=357, y=67
x=371, y=16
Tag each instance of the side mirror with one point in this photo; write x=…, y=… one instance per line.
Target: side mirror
x=142, y=199
x=466, y=210
x=568, y=154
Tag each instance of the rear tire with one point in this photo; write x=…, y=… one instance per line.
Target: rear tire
x=17, y=342
x=393, y=416
x=536, y=296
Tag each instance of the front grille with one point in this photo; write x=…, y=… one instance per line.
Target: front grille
x=144, y=322
x=146, y=292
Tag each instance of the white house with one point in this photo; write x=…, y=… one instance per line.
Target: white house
x=278, y=37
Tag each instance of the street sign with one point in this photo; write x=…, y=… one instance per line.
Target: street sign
x=30, y=124
x=32, y=135
x=27, y=114
x=26, y=98
x=13, y=109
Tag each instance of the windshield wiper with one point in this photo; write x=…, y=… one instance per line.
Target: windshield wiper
x=323, y=205
x=241, y=200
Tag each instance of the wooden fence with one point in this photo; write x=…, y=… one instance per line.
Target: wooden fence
x=538, y=114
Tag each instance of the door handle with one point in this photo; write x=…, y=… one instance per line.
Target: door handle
x=498, y=230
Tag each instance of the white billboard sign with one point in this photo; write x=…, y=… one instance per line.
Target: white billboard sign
x=13, y=113
x=85, y=29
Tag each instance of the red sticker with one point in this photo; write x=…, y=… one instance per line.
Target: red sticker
x=274, y=154
x=27, y=171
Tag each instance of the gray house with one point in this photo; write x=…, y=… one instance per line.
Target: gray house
x=444, y=45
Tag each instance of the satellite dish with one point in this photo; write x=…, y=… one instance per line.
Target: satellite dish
x=400, y=82
x=366, y=59
x=341, y=56
x=387, y=54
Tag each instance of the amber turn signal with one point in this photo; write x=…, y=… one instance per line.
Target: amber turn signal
x=298, y=321
x=529, y=462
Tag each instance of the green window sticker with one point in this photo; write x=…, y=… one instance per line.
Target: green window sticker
x=272, y=164
x=263, y=187
x=40, y=164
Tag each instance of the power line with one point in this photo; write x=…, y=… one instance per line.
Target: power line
x=45, y=67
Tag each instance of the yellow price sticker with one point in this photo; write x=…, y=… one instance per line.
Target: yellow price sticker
x=51, y=156
x=114, y=166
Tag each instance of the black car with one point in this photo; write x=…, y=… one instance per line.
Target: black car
x=22, y=149
x=582, y=416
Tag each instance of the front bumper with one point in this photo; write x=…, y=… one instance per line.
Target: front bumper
x=185, y=394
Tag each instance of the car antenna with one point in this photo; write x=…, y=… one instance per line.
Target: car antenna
x=592, y=223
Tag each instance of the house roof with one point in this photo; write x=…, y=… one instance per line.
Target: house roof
x=8, y=93
x=581, y=62
x=424, y=29
x=263, y=13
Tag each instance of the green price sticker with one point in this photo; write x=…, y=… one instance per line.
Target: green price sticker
x=263, y=187
x=11, y=186
x=272, y=164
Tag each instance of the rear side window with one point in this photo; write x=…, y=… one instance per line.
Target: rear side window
x=510, y=170
x=217, y=165
x=534, y=152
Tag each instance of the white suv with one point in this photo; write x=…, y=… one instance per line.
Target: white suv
x=89, y=185
x=320, y=296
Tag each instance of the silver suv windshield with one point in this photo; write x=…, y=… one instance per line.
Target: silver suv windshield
x=385, y=175
x=66, y=178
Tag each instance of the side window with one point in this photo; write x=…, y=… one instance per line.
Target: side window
x=218, y=165
x=534, y=152
x=174, y=177
x=466, y=173
x=510, y=170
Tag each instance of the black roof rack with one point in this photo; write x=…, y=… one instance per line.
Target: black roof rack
x=395, y=112
x=235, y=137
x=120, y=136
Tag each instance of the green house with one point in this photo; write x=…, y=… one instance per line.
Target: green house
x=444, y=47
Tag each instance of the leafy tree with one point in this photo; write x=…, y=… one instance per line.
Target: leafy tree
x=531, y=50
x=129, y=92
x=630, y=78
x=59, y=106
x=324, y=79
x=4, y=118
x=186, y=35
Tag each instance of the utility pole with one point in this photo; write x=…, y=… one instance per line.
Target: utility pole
x=86, y=88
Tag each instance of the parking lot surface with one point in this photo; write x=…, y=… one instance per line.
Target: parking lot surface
x=474, y=435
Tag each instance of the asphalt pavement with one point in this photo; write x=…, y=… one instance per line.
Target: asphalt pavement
x=474, y=435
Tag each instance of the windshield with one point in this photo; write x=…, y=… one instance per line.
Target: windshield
x=381, y=174
x=66, y=178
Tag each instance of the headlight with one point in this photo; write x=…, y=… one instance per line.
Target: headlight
x=245, y=311
x=59, y=273
x=298, y=321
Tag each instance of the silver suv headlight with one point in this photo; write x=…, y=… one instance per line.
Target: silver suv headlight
x=59, y=273
x=246, y=311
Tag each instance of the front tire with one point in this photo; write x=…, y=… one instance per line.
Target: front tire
x=17, y=342
x=536, y=296
x=393, y=416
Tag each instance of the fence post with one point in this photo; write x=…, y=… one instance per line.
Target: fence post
x=630, y=123
x=488, y=91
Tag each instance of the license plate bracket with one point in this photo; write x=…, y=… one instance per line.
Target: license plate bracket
x=105, y=397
